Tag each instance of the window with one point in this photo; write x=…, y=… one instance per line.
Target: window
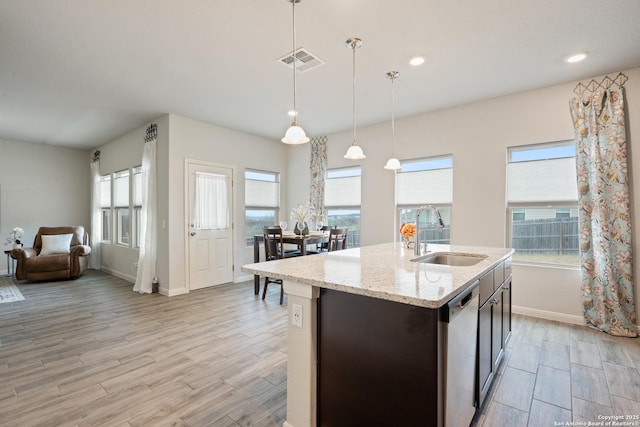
x=105, y=205
x=137, y=204
x=542, y=203
x=342, y=201
x=427, y=181
x=121, y=207
x=261, y=201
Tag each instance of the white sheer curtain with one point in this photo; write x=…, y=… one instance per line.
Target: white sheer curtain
x=96, y=217
x=210, y=211
x=148, y=221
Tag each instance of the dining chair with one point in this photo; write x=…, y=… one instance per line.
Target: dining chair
x=273, y=249
x=337, y=239
x=322, y=246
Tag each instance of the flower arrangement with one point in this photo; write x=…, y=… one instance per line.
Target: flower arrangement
x=302, y=212
x=408, y=230
x=15, y=236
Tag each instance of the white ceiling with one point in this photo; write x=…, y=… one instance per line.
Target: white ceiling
x=80, y=73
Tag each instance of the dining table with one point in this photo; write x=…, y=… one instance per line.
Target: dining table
x=313, y=238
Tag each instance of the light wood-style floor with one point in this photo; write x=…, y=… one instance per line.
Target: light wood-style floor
x=555, y=373
x=91, y=352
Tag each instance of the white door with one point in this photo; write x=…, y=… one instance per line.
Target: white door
x=210, y=229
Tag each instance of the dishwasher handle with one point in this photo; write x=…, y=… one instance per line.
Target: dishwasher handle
x=459, y=302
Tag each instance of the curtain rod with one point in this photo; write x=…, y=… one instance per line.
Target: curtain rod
x=605, y=84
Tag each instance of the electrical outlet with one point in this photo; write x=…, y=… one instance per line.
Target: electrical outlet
x=296, y=315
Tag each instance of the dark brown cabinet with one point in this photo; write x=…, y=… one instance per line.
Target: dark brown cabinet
x=378, y=362
x=494, y=325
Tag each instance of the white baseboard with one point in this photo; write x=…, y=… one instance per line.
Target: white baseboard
x=119, y=274
x=549, y=315
x=173, y=292
x=243, y=278
x=286, y=424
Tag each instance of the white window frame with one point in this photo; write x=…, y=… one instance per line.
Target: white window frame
x=270, y=183
x=105, y=207
x=351, y=177
x=560, y=199
x=122, y=233
x=440, y=167
x=136, y=201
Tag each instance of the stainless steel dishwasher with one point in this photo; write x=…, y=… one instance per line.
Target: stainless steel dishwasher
x=459, y=332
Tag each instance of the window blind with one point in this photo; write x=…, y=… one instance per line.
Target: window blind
x=137, y=186
x=425, y=186
x=263, y=194
x=121, y=189
x=550, y=180
x=344, y=191
x=105, y=191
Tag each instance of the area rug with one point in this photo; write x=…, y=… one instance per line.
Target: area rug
x=8, y=291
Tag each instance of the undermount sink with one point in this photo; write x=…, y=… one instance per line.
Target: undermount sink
x=454, y=259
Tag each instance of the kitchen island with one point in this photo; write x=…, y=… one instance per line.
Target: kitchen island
x=365, y=336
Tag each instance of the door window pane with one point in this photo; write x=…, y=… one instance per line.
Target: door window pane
x=211, y=207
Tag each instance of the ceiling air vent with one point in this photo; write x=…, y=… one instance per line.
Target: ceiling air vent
x=305, y=60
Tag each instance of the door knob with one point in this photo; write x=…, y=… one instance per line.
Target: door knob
x=193, y=233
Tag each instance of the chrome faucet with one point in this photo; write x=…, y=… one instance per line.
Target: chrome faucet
x=417, y=246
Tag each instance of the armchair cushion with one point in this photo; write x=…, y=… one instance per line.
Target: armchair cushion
x=56, y=244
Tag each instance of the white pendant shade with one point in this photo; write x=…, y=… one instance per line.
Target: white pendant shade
x=393, y=164
x=354, y=153
x=295, y=135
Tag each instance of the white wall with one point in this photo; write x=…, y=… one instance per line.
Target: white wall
x=41, y=185
x=181, y=138
x=477, y=135
x=191, y=139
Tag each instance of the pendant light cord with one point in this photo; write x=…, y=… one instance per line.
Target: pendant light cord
x=353, y=47
x=295, y=108
x=393, y=117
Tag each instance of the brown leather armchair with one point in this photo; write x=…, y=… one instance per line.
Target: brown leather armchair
x=37, y=266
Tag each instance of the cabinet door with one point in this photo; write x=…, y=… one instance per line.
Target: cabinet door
x=506, y=312
x=496, y=328
x=485, y=363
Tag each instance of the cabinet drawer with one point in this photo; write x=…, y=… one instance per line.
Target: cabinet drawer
x=486, y=286
x=499, y=275
x=507, y=267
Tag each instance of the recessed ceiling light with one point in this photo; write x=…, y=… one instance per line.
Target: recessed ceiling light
x=576, y=57
x=416, y=60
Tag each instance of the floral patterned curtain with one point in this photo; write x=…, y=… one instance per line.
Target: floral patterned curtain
x=604, y=212
x=318, y=175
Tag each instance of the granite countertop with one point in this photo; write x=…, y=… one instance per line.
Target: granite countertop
x=384, y=271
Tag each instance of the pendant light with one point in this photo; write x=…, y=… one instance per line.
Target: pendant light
x=354, y=152
x=295, y=134
x=393, y=163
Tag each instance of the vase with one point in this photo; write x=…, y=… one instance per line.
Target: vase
x=408, y=241
x=305, y=230
x=17, y=245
